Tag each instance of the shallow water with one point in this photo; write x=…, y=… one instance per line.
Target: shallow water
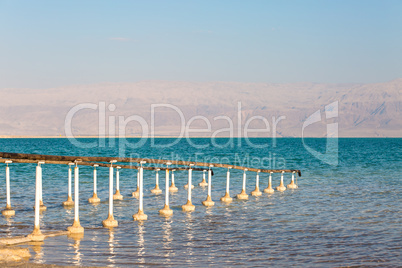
x=349, y=214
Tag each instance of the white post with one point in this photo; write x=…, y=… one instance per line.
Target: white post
x=37, y=235
x=243, y=195
x=203, y=183
x=257, y=180
x=69, y=201
x=141, y=203
x=110, y=221
x=256, y=191
x=95, y=199
x=226, y=198
x=187, y=185
x=76, y=228
x=8, y=206
x=156, y=190
x=292, y=184
x=117, y=179
x=110, y=190
x=189, y=206
x=227, y=181
x=117, y=195
x=190, y=172
x=138, y=179
x=37, y=197
x=208, y=202
x=173, y=187
x=166, y=211
x=8, y=211
x=167, y=188
x=42, y=206
x=244, y=181
x=140, y=216
x=136, y=194
x=270, y=179
x=76, y=194
x=95, y=179
x=157, y=177
x=69, y=182
x=209, y=182
x=281, y=187
x=40, y=186
x=269, y=189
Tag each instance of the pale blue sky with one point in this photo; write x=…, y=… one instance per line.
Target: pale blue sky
x=56, y=43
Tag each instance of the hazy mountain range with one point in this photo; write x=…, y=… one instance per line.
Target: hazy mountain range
x=365, y=110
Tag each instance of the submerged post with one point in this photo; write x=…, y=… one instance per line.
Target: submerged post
x=281, y=187
x=269, y=189
x=117, y=195
x=76, y=228
x=226, y=198
x=243, y=195
x=192, y=186
x=37, y=235
x=257, y=191
x=292, y=184
x=136, y=194
x=173, y=187
x=69, y=202
x=203, y=183
x=156, y=190
x=166, y=211
x=42, y=206
x=141, y=216
x=110, y=221
x=8, y=211
x=189, y=206
x=95, y=199
x=208, y=202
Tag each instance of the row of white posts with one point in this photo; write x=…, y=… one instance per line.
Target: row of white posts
x=76, y=228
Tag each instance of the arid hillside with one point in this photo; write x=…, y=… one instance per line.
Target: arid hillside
x=364, y=110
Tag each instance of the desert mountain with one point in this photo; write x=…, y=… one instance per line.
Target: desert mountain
x=364, y=110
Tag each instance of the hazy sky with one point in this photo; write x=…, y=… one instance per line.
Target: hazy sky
x=57, y=43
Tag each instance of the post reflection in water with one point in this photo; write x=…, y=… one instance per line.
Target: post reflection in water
x=209, y=232
x=112, y=243
x=228, y=212
x=141, y=243
x=167, y=240
x=9, y=224
x=69, y=210
x=77, y=258
x=37, y=248
x=208, y=212
x=190, y=238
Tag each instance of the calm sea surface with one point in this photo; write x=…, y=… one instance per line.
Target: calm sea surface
x=344, y=215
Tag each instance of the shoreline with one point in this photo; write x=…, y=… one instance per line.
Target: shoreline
x=195, y=137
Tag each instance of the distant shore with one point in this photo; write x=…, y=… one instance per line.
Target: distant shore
x=170, y=137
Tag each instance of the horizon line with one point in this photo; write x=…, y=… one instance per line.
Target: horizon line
x=200, y=81
x=177, y=137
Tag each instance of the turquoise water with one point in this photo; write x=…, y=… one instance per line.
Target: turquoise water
x=343, y=215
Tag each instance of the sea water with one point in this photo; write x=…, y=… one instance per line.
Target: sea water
x=342, y=214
